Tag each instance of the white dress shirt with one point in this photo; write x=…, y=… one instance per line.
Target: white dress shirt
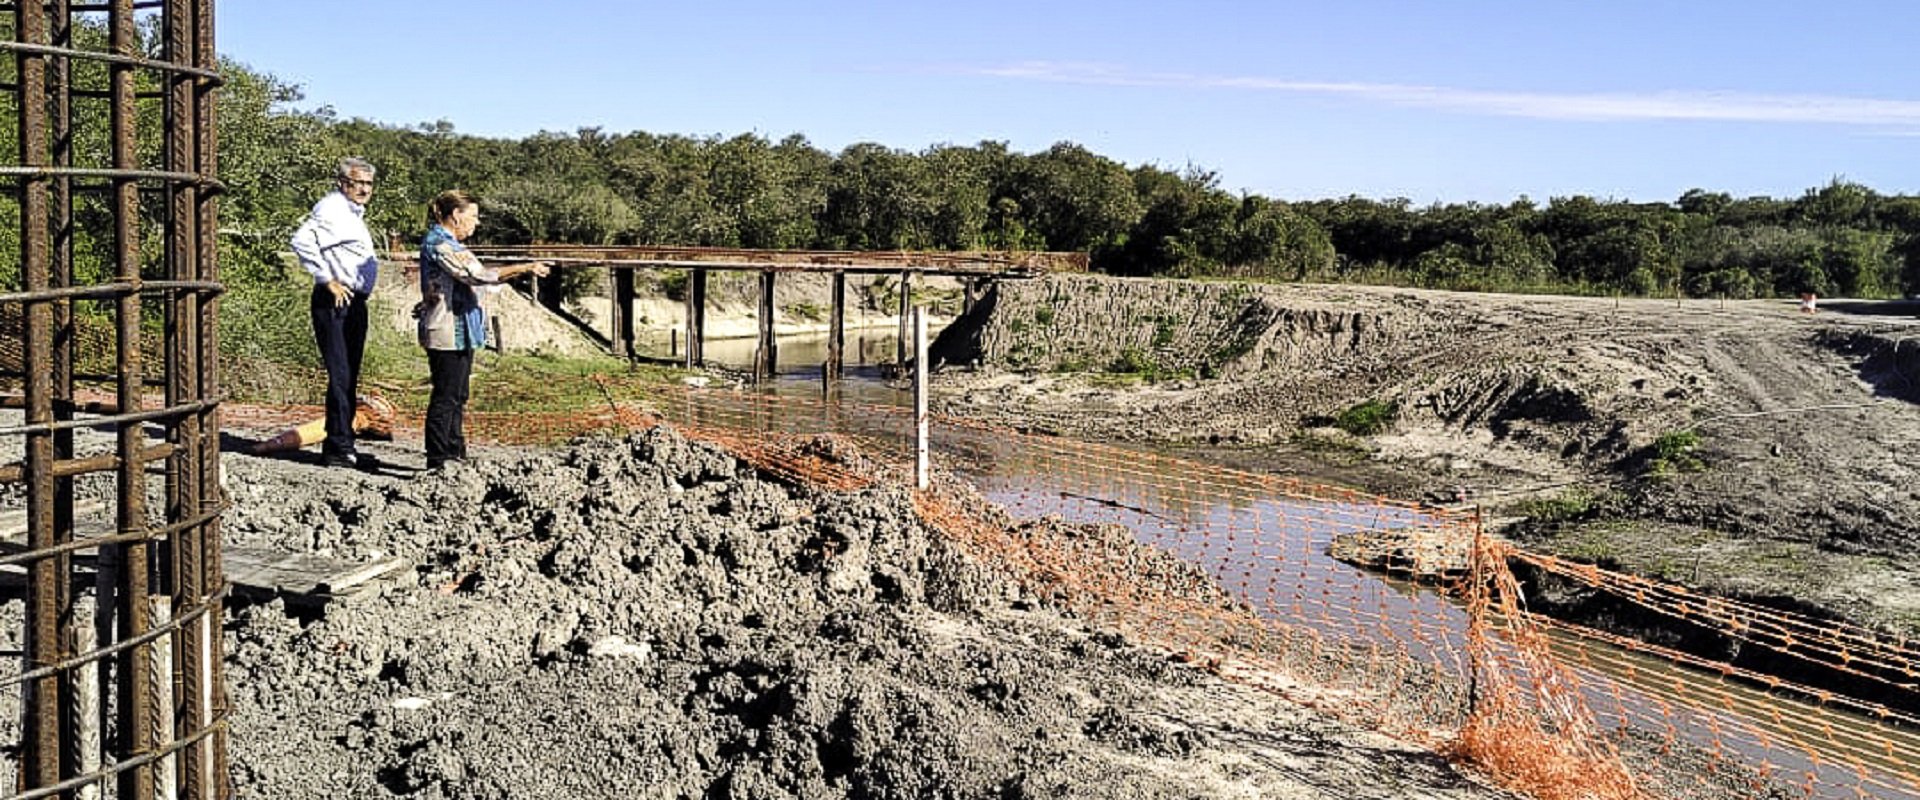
x=333, y=244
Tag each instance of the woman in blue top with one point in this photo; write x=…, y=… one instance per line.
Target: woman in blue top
x=452, y=322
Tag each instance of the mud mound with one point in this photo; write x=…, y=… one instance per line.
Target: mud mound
x=1196, y=329
x=646, y=617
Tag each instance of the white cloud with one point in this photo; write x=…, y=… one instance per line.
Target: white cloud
x=1666, y=105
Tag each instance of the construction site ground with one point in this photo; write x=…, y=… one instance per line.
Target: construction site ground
x=649, y=617
x=1740, y=447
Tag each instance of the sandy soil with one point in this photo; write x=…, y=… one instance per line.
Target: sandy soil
x=1800, y=488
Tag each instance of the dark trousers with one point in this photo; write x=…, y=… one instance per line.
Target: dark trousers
x=447, y=405
x=341, y=333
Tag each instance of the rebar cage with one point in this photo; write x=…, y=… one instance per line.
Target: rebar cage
x=108, y=299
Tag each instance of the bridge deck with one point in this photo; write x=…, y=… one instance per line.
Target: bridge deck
x=975, y=263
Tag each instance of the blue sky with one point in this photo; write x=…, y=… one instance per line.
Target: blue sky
x=1433, y=101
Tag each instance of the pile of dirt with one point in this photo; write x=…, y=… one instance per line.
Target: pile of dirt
x=1758, y=452
x=649, y=617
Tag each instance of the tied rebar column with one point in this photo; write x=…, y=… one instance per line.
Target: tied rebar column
x=83, y=382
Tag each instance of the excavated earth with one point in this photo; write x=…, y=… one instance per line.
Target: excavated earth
x=1799, y=489
x=647, y=617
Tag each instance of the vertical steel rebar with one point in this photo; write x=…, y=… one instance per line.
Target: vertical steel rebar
x=183, y=351
x=212, y=692
x=40, y=752
x=60, y=263
x=134, y=667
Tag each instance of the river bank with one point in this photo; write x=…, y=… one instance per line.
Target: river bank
x=1742, y=448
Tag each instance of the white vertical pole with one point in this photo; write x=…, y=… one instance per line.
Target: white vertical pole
x=920, y=396
x=205, y=698
x=85, y=696
x=166, y=769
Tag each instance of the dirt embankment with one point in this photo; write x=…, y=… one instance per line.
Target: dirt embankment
x=646, y=617
x=1754, y=450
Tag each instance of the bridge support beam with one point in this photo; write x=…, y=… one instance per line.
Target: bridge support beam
x=906, y=303
x=837, y=328
x=697, y=318
x=766, y=356
x=620, y=333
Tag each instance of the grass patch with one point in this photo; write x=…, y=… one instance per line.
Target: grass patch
x=806, y=311
x=1368, y=417
x=1073, y=363
x=1673, y=453
x=1134, y=361
x=1114, y=380
x=1566, y=506
x=1321, y=442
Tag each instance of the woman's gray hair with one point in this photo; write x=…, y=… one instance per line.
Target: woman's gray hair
x=351, y=163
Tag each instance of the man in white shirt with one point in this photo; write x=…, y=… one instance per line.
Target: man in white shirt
x=335, y=247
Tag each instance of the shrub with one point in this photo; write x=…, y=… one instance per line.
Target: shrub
x=1674, y=452
x=1132, y=360
x=673, y=284
x=1162, y=331
x=1368, y=418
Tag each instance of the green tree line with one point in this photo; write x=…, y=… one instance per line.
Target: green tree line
x=595, y=187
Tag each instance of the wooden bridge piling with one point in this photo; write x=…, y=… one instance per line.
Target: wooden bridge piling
x=697, y=318
x=766, y=355
x=906, y=301
x=837, y=328
x=621, y=336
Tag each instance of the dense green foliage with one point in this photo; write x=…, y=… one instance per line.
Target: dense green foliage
x=746, y=191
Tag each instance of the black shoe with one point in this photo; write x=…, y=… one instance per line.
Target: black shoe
x=337, y=461
x=365, y=462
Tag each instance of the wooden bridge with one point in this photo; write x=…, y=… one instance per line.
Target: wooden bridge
x=621, y=261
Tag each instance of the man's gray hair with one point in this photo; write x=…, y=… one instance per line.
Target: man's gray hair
x=349, y=165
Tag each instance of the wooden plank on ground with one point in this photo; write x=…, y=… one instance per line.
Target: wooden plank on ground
x=272, y=570
x=256, y=569
x=90, y=518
